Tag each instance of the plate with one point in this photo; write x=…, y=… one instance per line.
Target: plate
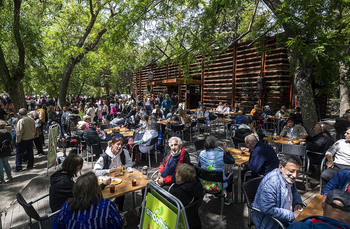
x=237, y=156
x=116, y=181
x=228, y=119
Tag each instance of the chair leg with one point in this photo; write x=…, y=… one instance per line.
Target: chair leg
x=222, y=205
x=149, y=157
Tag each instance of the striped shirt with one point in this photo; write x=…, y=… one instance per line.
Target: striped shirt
x=104, y=215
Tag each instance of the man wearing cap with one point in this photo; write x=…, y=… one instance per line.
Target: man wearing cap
x=267, y=111
x=338, y=157
x=166, y=105
x=118, y=121
x=87, y=120
x=336, y=213
x=277, y=195
x=95, y=140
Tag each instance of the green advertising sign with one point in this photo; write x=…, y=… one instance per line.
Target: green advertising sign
x=157, y=215
x=51, y=157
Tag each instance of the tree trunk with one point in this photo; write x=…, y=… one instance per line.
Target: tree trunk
x=107, y=87
x=303, y=79
x=16, y=92
x=64, y=83
x=344, y=90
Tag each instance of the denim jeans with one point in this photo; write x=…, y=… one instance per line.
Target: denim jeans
x=4, y=164
x=24, y=145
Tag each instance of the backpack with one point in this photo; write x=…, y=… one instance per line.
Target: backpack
x=211, y=186
x=6, y=146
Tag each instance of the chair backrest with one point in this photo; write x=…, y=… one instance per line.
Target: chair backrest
x=220, y=115
x=87, y=141
x=104, y=145
x=192, y=208
x=176, y=128
x=250, y=188
x=106, y=126
x=193, y=124
x=199, y=144
x=209, y=175
x=297, y=150
x=202, y=120
x=28, y=208
x=153, y=141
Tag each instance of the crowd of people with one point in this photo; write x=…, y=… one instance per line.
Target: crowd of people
x=77, y=195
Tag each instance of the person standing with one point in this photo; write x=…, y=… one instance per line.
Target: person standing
x=25, y=132
x=5, y=153
x=175, y=100
x=166, y=105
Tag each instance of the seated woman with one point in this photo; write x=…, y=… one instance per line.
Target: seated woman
x=118, y=121
x=158, y=113
x=143, y=124
x=171, y=115
x=87, y=208
x=220, y=107
x=152, y=132
x=216, y=157
x=291, y=129
x=61, y=182
x=259, y=120
x=110, y=161
x=184, y=119
x=188, y=189
x=203, y=113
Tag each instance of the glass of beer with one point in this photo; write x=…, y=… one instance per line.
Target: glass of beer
x=133, y=182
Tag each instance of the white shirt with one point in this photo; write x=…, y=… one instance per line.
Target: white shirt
x=115, y=161
x=341, y=152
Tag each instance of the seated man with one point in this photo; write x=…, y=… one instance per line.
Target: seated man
x=338, y=157
x=263, y=158
x=225, y=108
x=291, y=128
x=254, y=109
x=151, y=132
x=318, y=143
x=176, y=156
x=336, y=213
x=220, y=107
x=277, y=195
x=341, y=180
x=248, y=127
x=92, y=135
x=118, y=121
x=341, y=124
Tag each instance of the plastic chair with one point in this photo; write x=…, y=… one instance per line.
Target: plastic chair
x=42, y=222
x=249, y=189
x=216, y=176
x=299, y=151
x=152, y=144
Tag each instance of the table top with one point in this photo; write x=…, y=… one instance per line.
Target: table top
x=283, y=140
x=274, y=117
x=125, y=186
x=313, y=208
x=166, y=122
x=224, y=120
x=235, y=152
x=120, y=130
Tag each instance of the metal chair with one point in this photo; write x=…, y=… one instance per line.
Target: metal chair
x=42, y=222
x=193, y=125
x=216, y=176
x=203, y=125
x=299, y=151
x=106, y=126
x=176, y=131
x=249, y=189
x=199, y=145
x=322, y=168
x=150, y=146
x=88, y=143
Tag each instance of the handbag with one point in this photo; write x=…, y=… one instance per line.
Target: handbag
x=211, y=186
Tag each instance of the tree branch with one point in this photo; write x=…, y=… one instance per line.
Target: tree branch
x=249, y=27
x=19, y=42
x=88, y=28
x=91, y=8
x=161, y=51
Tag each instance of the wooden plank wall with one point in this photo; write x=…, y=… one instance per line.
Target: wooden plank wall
x=231, y=77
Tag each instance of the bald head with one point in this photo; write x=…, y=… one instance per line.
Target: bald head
x=319, y=128
x=250, y=141
x=22, y=111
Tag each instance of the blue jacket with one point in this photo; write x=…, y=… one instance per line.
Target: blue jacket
x=309, y=222
x=270, y=200
x=219, y=163
x=338, y=181
x=239, y=119
x=263, y=159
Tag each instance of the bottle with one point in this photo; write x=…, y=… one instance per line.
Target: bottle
x=275, y=134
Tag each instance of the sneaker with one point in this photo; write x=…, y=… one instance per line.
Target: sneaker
x=228, y=201
x=216, y=196
x=9, y=178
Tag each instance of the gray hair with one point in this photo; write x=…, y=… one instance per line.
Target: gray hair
x=154, y=125
x=291, y=159
x=34, y=114
x=251, y=138
x=22, y=111
x=179, y=141
x=346, y=115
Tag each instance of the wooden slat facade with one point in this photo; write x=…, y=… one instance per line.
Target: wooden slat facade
x=230, y=77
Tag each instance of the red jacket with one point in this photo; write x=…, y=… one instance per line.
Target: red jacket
x=184, y=158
